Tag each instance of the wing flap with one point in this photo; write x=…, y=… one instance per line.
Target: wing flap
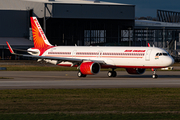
x=52, y=58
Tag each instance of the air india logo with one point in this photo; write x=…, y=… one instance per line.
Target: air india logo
x=38, y=34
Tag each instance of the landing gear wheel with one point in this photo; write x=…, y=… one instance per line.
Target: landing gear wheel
x=112, y=74
x=79, y=74
x=154, y=76
x=109, y=74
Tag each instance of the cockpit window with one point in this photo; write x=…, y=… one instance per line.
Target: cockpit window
x=165, y=54
x=162, y=54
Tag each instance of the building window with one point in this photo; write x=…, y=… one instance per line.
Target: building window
x=94, y=37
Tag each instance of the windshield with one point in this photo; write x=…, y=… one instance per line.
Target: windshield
x=162, y=54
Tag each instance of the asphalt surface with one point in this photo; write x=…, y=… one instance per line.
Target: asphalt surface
x=69, y=80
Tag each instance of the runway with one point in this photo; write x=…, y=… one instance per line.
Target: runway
x=69, y=80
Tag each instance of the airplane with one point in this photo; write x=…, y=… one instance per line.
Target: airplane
x=90, y=60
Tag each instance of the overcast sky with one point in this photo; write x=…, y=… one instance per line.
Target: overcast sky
x=149, y=7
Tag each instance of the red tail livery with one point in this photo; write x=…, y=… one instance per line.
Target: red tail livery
x=40, y=40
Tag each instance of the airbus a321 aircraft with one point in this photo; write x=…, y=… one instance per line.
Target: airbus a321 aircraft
x=89, y=60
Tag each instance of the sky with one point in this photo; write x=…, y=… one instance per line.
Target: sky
x=144, y=8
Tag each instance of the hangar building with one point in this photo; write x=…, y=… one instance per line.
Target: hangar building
x=65, y=22
x=81, y=22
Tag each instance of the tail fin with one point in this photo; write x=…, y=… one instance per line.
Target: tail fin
x=40, y=40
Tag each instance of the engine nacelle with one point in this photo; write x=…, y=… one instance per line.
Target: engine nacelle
x=90, y=68
x=135, y=70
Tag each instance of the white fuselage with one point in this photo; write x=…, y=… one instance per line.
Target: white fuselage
x=125, y=57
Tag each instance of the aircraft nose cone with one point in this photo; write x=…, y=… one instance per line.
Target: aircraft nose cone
x=170, y=61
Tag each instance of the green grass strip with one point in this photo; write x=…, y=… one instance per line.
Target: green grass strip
x=58, y=116
x=32, y=65
x=123, y=100
x=45, y=68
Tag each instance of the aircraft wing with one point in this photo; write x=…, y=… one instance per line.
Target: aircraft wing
x=55, y=58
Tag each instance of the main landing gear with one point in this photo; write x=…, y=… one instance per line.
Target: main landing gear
x=112, y=73
x=154, y=74
x=79, y=74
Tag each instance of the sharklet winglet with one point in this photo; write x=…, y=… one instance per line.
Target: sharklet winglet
x=10, y=49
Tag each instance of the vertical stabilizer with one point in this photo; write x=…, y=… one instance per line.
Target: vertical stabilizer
x=39, y=38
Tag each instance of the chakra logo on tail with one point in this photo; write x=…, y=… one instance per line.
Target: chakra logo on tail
x=39, y=38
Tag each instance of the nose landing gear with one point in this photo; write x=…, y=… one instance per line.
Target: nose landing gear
x=154, y=76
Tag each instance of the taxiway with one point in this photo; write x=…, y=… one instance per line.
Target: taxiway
x=69, y=80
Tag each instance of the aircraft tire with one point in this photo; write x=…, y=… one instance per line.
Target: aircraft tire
x=154, y=76
x=111, y=74
x=79, y=74
x=114, y=74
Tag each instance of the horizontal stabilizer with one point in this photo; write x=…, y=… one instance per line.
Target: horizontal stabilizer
x=34, y=52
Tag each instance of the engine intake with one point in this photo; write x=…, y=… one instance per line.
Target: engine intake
x=90, y=68
x=135, y=70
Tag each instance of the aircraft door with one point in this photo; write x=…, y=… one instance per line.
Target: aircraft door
x=99, y=54
x=74, y=53
x=147, y=56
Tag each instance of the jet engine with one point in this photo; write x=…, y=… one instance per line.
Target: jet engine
x=90, y=68
x=135, y=70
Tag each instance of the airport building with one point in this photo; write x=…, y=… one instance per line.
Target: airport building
x=163, y=33
x=80, y=22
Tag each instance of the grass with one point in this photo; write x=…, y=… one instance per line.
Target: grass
x=5, y=78
x=38, y=68
x=90, y=100
x=31, y=65
x=58, y=116
x=44, y=68
x=89, y=104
